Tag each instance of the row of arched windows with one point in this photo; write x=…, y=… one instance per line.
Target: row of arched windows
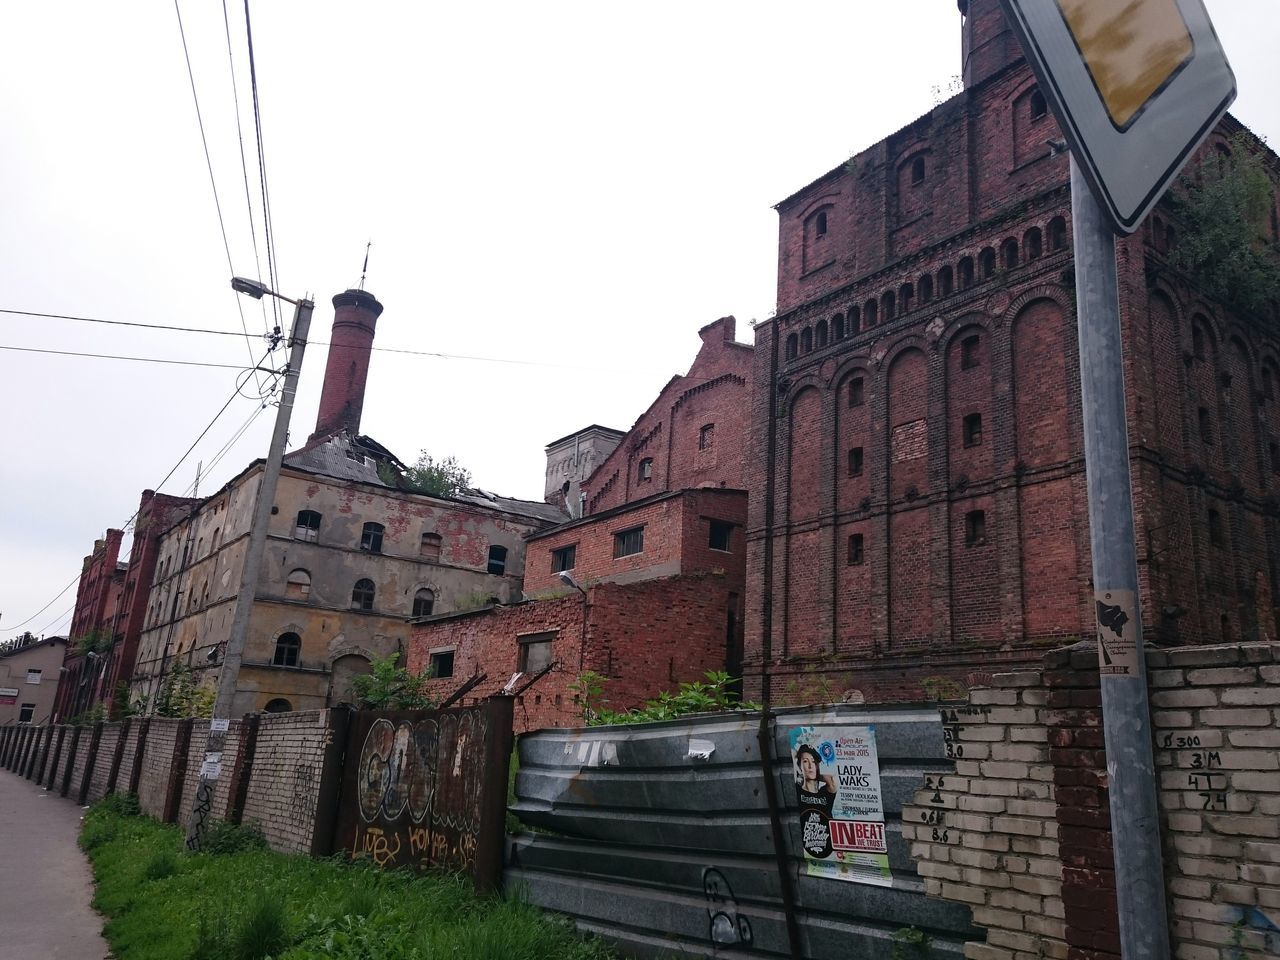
x=298, y=587
x=895, y=303
x=307, y=528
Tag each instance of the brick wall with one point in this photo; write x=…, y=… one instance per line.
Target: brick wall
x=284, y=785
x=102, y=763
x=157, y=762
x=127, y=755
x=1022, y=833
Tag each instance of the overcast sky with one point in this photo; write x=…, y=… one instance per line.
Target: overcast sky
x=574, y=186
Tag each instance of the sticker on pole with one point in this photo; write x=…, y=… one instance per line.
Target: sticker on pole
x=1117, y=633
x=1135, y=86
x=837, y=781
x=211, y=769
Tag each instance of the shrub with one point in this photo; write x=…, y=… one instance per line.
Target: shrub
x=224, y=838
x=163, y=863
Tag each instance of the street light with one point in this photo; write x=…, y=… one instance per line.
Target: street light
x=233, y=653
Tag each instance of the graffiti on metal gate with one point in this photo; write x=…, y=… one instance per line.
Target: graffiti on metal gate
x=417, y=790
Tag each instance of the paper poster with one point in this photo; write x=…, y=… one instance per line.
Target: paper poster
x=211, y=769
x=837, y=783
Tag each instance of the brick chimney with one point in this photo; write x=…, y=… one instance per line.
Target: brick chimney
x=355, y=314
x=987, y=44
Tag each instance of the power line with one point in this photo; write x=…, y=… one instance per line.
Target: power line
x=73, y=582
x=212, y=182
x=115, y=356
x=267, y=226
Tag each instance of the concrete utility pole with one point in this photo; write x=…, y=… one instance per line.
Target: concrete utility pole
x=211, y=768
x=1126, y=720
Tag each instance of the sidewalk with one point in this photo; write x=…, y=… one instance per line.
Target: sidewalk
x=45, y=883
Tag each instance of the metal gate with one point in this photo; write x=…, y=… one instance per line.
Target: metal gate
x=428, y=788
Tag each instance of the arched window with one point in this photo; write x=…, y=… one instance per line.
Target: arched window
x=429, y=548
x=837, y=327
x=278, y=705
x=298, y=585
x=926, y=289
x=905, y=293
x=1009, y=253
x=217, y=538
x=917, y=171
x=307, y=527
x=965, y=271
x=855, y=321
x=793, y=346
x=371, y=537
x=362, y=595
x=424, y=602
x=1038, y=107
x=1268, y=383
x=645, y=473
x=288, y=646
x=1057, y=234
x=987, y=264
x=888, y=305
x=497, y=560
x=821, y=334
x=806, y=339
x=869, y=312
x=1032, y=243
x=945, y=283
x=820, y=224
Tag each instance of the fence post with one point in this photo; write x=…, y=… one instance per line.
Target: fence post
x=135, y=774
x=125, y=728
x=44, y=756
x=71, y=762
x=90, y=762
x=493, y=800
x=242, y=772
x=29, y=767
x=330, y=785
x=178, y=771
x=6, y=737
x=52, y=766
x=14, y=749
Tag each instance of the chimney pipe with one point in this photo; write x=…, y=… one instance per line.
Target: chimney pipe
x=355, y=316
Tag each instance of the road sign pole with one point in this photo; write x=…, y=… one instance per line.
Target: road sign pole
x=1135, y=825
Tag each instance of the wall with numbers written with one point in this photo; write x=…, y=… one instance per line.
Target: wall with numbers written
x=1022, y=832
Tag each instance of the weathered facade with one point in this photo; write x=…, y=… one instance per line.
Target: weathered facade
x=920, y=509
x=646, y=586
x=29, y=670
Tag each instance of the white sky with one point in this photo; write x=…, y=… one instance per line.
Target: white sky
x=577, y=186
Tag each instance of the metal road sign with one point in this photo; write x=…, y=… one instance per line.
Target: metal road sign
x=1136, y=86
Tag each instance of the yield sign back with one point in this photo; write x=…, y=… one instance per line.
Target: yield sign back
x=1136, y=86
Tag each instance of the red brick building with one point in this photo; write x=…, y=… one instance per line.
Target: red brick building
x=919, y=509
x=647, y=588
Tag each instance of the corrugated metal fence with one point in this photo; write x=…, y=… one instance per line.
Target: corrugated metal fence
x=659, y=836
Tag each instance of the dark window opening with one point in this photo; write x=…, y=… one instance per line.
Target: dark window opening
x=905, y=294
x=1206, y=426
x=564, y=558
x=1057, y=234
x=987, y=264
x=869, y=313
x=26, y=712
x=1197, y=343
x=1215, y=528
x=1273, y=449
x=646, y=470
x=288, y=646
x=278, y=705
x=429, y=548
x=887, y=305
x=855, y=462
x=822, y=334
x=307, y=527
x=945, y=282
x=1009, y=253
x=535, y=652
x=806, y=340
x=793, y=346
x=969, y=352
x=721, y=535
x=497, y=560
x=820, y=224
x=855, y=321
x=926, y=289
x=966, y=273
x=973, y=430
x=707, y=436
x=628, y=542
x=917, y=171
x=1268, y=384
x=1225, y=622
x=362, y=595
x=856, y=397
x=855, y=549
x=975, y=528
x=424, y=601
x=440, y=665
x=1038, y=106
x=1033, y=243
x=371, y=538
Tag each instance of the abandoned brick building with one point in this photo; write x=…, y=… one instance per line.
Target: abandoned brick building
x=654, y=556
x=918, y=507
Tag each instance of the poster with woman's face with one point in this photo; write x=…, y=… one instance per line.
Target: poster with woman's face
x=837, y=780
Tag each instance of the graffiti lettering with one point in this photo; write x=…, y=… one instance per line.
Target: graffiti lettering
x=726, y=924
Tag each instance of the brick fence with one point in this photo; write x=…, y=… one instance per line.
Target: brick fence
x=1022, y=832
x=273, y=769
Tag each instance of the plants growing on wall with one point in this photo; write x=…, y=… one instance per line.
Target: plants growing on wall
x=181, y=695
x=388, y=686
x=716, y=695
x=436, y=478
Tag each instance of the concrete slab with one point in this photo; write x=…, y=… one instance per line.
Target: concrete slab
x=45, y=883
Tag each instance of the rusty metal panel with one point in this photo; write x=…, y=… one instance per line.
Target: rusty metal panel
x=663, y=839
x=428, y=788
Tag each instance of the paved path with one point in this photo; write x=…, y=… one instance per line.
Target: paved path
x=45, y=883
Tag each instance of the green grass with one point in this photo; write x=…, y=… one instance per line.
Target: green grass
x=253, y=904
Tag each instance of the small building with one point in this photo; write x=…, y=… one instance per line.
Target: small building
x=644, y=586
x=29, y=670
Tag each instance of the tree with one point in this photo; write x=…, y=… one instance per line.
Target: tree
x=1225, y=248
x=436, y=478
x=389, y=687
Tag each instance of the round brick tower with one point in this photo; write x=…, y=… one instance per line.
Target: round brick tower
x=987, y=44
x=355, y=316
